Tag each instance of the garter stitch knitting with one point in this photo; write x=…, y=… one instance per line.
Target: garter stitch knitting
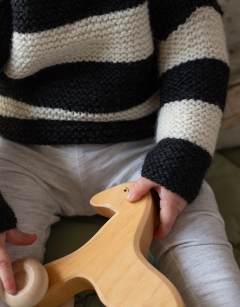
x=75, y=71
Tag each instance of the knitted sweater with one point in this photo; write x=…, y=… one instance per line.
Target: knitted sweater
x=75, y=71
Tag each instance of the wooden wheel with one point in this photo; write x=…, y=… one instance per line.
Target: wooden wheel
x=31, y=281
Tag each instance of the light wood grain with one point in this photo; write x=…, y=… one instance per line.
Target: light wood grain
x=114, y=261
x=31, y=282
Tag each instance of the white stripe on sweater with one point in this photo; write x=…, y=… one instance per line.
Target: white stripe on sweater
x=123, y=36
x=202, y=36
x=192, y=120
x=16, y=109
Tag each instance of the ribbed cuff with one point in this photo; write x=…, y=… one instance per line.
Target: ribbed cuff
x=178, y=165
x=8, y=219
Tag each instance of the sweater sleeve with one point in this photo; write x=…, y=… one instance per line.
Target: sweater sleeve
x=193, y=77
x=5, y=31
x=7, y=217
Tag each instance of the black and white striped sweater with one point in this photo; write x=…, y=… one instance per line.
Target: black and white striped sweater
x=90, y=71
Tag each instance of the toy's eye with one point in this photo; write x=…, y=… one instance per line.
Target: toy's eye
x=126, y=190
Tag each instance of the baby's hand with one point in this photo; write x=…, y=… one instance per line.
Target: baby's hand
x=170, y=204
x=16, y=237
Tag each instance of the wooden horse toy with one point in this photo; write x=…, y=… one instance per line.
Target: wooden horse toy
x=113, y=262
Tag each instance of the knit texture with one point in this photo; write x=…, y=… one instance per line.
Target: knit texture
x=115, y=71
x=182, y=166
x=179, y=82
x=7, y=217
x=5, y=31
x=42, y=15
x=166, y=16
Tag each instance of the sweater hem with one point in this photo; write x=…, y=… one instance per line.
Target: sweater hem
x=56, y=132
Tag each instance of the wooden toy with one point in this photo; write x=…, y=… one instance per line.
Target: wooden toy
x=113, y=262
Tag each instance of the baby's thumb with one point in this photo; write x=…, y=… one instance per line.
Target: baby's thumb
x=17, y=237
x=139, y=188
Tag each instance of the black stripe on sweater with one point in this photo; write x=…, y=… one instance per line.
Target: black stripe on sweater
x=204, y=79
x=52, y=132
x=37, y=15
x=167, y=15
x=5, y=31
x=178, y=165
x=87, y=86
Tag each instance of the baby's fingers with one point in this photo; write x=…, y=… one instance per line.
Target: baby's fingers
x=140, y=188
x=17, y=237
x=167, y=217
x=6, y=273
x=171, y=206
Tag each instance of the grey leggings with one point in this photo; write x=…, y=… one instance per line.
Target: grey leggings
x=42, y=182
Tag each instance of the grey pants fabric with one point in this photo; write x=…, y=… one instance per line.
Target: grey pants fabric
x=42, y=183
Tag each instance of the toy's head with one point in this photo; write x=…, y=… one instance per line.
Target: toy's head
x=109, y=202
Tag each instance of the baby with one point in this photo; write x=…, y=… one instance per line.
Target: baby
x=96, y=93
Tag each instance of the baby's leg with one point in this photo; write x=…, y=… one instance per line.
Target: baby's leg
x=34, y=208
x=197, y=257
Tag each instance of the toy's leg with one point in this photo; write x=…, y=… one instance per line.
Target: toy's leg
x=197, y=257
